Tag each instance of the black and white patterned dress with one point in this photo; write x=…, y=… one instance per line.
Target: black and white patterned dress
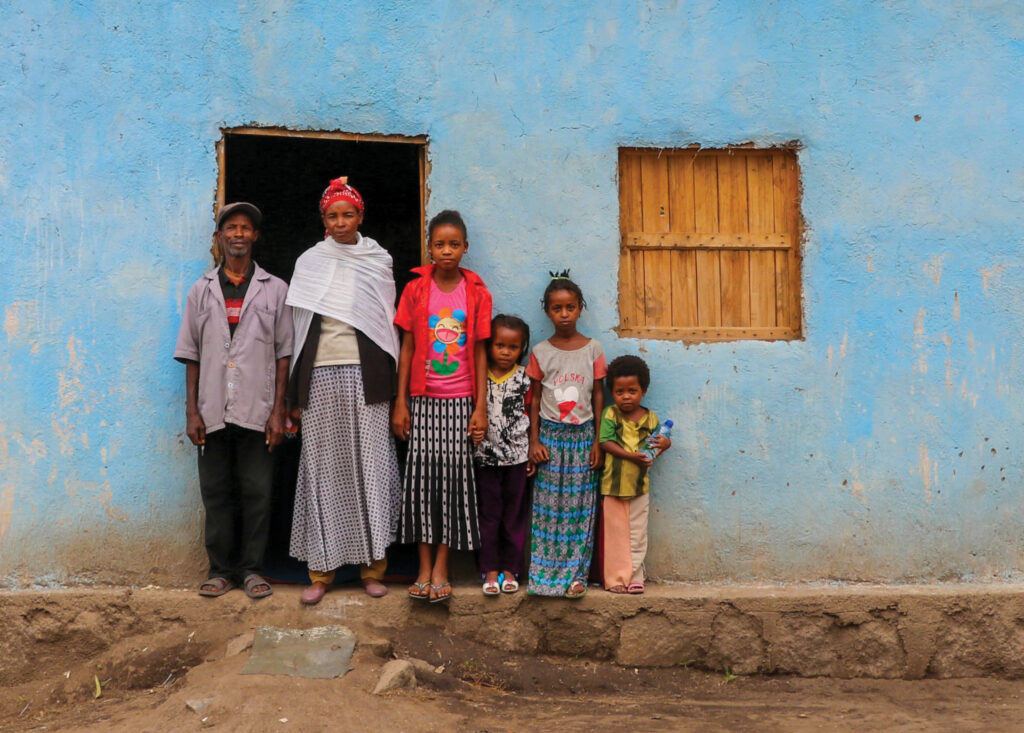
x=439, y=493
x=348, y=494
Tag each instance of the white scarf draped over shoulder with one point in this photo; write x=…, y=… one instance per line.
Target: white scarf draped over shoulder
x=353, y=283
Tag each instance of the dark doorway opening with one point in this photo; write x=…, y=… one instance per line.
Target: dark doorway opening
x=284, y=173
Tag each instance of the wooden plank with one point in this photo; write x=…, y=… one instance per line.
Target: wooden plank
x=795, y=254
x=732, y=218
x=654, y=193
x=423, y=163
x=705, y=207
x=222, y=176
x=761, y=218
x=781, y=225
x=630, y=220
x=717, y=333
x=658, y=288
x=326, y=135
x=683, y=266
x=706, y=240
x=636, y=291
x=682, y=216
x=657, y=265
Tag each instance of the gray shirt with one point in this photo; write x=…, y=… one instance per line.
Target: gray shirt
x=567, y=380
x=237, y=374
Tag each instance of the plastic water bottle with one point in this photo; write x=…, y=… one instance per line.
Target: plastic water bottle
x=666, y=430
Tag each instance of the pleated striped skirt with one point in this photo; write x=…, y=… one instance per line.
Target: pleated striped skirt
x=564, y=504
x=439, y=490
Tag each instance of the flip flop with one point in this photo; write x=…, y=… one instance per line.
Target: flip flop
x=424, y=591
x=635, y=588
x=219, y=586
x=437, y=589
x=251, y=581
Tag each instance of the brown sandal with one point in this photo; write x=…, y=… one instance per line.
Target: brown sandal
x=617, y=589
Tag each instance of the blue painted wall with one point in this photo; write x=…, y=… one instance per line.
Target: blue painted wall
x=885, y=446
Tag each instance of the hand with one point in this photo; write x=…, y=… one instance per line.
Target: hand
x=400, y=421
x=531, y=468
x=478, y=425
x=660, y=442
x=538, y=453
x=275, y=429
x=640, y=459
x=295, y=415
x=596, y=456
x=195, y=428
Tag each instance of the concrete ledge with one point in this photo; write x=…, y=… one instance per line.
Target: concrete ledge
x=908, y=632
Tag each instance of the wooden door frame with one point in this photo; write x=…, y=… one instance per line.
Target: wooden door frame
x=421, y=141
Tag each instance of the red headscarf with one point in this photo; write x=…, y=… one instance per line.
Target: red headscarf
x=339, y=190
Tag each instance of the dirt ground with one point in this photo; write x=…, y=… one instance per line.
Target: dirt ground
x=151, y=660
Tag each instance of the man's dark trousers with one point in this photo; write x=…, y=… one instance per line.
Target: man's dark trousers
x=236, y=470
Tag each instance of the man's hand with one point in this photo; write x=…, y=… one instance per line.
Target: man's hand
x=195, y=428
x=275, y=429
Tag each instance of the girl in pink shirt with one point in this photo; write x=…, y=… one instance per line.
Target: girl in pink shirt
x=441, y=406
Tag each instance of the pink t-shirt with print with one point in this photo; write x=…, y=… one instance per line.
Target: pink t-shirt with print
x=447, y=354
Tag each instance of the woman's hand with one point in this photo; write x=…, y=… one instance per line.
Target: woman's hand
x=400, y=422
x=478, y=425
x=538, y=453
x=596, y=456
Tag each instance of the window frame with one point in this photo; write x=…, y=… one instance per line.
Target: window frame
x=687, y=248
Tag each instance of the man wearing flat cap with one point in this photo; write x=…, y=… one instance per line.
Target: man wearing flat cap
x=235, y=340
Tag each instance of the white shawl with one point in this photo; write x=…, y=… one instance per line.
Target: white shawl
x=353, y=283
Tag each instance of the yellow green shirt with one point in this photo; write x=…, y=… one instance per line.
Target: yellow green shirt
x=624, y=478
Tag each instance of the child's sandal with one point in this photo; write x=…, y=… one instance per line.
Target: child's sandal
x=577, y=589
x=635, y=588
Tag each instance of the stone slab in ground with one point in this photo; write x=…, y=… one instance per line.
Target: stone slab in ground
x=322, y=652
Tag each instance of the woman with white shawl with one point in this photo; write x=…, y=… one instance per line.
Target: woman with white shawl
x=348, y=493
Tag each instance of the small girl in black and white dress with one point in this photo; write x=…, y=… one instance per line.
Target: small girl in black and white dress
x=502, y=463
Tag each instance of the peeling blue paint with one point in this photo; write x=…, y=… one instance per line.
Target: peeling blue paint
x=864, y=451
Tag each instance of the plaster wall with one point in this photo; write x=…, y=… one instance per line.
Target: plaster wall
x=884, y=446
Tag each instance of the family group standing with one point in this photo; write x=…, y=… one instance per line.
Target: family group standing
x=451, y=383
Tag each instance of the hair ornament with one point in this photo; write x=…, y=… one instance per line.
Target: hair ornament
x=563, y=275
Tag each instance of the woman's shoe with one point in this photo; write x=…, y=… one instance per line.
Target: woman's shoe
x=491, y=588
x=313, y=593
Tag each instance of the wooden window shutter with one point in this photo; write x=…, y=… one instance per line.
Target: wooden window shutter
x=710, y=244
